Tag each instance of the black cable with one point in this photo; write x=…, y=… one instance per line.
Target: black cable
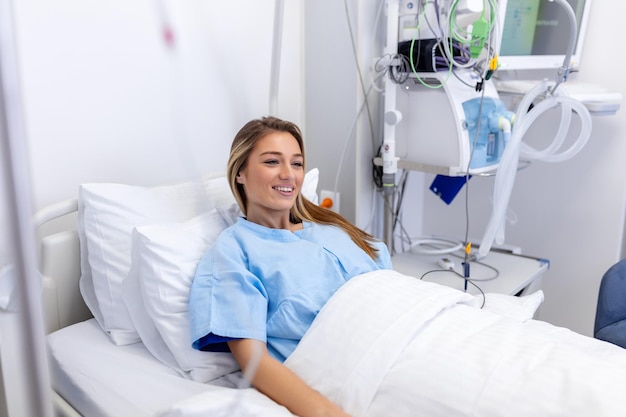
x=377, y=171
x=493, y=268
x=399, y=73
x=473, y=260
x=404, y=235
x=400, y=196
x=482, y=293
x=433, y=271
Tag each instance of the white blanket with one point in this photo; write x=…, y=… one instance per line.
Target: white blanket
x=391, y=345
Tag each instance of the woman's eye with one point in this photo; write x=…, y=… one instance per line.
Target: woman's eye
x=271, y=162
x=298, y=164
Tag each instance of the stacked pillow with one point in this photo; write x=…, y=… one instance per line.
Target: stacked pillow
x=139, y=251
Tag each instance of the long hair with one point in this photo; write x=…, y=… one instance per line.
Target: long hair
x=303, y=210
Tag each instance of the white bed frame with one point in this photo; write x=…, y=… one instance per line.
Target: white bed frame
x=59, y=264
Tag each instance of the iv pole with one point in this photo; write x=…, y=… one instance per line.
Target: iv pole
x=30, y=381
x=392, y=117
x=279, y=7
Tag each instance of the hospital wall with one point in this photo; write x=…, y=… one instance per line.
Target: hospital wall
x=107, y=98
x=341, y=142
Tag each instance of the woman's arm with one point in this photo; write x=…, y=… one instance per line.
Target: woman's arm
x=279, y=383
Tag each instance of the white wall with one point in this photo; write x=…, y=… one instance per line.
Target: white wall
x=585, y=236
x=339, y=134
x=331, y=94
x=106, y=99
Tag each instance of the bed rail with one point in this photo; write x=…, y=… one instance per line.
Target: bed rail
x=54, y=211
x=59, y=265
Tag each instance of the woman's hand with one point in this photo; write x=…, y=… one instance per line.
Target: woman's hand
x=278, y=382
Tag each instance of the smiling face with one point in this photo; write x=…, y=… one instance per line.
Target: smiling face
x=272, y=179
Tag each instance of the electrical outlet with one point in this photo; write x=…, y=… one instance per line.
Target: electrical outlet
x=333, y=196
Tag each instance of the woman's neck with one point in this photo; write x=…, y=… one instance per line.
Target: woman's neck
x=274, y=222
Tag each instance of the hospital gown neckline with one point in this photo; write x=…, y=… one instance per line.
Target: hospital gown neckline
x=268, y=232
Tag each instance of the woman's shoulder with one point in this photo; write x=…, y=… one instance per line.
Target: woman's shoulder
x=241, y=234
x=231, y=234
x=225, y=248
x=323, y=229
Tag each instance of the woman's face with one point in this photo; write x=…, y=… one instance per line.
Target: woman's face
x=272, y=179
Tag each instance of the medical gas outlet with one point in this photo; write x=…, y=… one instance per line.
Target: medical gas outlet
x=330, y=200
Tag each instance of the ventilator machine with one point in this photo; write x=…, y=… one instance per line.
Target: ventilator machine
x=442, y=110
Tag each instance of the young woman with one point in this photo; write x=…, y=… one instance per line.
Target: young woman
x=259, y=287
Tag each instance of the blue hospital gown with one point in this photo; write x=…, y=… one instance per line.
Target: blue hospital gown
x=269, y=284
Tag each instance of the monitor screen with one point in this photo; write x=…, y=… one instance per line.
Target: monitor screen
x=535, y=33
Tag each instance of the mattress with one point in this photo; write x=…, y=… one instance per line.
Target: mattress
x=100, y=379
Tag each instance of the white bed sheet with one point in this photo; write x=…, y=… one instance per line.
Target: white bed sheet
x=100, y=379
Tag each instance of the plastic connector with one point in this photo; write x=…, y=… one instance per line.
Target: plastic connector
x=466, y=274
x=480, y=32
x=493, y=66
x=493, y=63
x=466, y=269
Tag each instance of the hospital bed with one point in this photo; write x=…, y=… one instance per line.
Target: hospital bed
x=117, y=263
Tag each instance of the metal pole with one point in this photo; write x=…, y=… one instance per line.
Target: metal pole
x=27, y=341
x=390, y=161
x=276, y=55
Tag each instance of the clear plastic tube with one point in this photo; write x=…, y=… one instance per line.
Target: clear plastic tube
x=550, y=154
x=506, y=172
x=507, y=168
x=499, y=237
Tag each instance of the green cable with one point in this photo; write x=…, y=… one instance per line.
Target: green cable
x=434, y=87
x=480, y=29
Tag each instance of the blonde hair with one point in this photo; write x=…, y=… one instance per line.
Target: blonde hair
x=303, y=209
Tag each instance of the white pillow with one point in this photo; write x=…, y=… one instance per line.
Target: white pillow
x=165, y=257
x=156, y=290
x=107, y=214
x=309, y=185
x=519, y=308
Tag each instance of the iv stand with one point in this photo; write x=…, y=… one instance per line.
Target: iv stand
x=30, y=380
x=392, y=117
x=279, y=6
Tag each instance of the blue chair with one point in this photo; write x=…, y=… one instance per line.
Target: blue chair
x=610, y=324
